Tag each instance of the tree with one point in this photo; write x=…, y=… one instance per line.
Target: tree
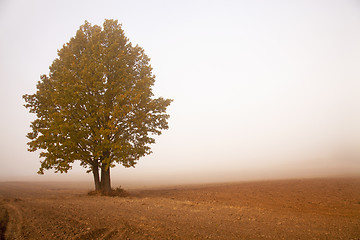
x=96, y=106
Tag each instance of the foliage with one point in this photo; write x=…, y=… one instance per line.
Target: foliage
x=96, y=105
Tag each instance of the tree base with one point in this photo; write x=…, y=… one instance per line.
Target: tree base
x=117, y=192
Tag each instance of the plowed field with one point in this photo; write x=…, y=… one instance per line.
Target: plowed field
x=284, y=209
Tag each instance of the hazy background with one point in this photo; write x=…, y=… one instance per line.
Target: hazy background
x=261, y=89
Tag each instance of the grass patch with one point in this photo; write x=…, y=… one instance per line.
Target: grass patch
x=115, y=192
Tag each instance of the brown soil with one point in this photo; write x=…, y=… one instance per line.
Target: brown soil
x=286, y=209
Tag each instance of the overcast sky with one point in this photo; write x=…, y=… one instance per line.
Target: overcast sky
x=261, y=88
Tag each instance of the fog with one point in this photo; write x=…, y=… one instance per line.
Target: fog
x=261, y=89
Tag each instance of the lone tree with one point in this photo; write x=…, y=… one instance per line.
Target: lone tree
x=96, y=105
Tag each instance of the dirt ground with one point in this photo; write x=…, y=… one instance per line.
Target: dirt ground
x=284, y=209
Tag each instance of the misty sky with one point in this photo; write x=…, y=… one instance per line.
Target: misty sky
x=260, y=88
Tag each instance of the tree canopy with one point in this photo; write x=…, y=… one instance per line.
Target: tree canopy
x=96, y=105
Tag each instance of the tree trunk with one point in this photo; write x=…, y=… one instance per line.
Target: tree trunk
x=105, y=179
x=95, y=171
